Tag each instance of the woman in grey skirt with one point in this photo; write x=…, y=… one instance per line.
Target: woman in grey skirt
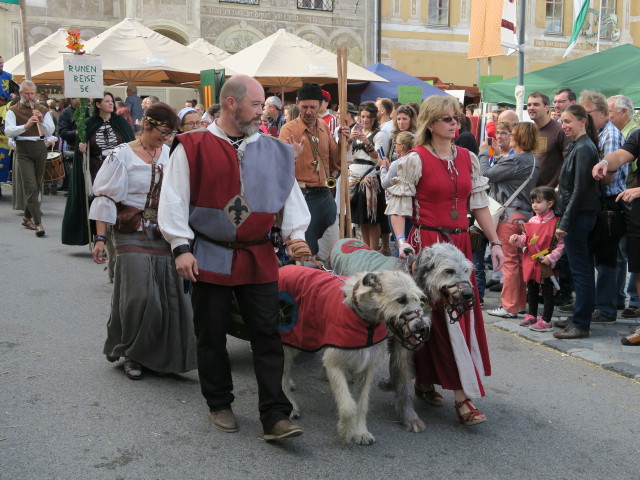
x=151, y=322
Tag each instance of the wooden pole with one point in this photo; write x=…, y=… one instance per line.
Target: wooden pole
x=25, y=40
x=345, y=204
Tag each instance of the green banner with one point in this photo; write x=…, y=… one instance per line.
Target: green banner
x=409, y=94
x=15, y=2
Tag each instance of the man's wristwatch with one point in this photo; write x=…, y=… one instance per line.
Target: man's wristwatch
x=497, y=242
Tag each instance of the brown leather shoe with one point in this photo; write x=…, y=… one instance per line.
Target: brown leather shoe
x=28, y=224
x=132, y=369
x=39, y=230
x=285, y=428
x=571, y=332
x=224, y=420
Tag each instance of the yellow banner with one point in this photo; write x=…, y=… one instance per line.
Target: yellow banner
x=484, y=33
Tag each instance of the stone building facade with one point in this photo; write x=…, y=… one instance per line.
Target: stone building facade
x=229, y=24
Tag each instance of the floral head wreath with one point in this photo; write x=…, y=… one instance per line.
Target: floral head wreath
x=155, y=122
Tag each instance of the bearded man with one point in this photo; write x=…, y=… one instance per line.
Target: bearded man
x=222, y=189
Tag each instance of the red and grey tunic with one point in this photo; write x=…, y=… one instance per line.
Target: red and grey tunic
x=220, y=212
x=316, y=315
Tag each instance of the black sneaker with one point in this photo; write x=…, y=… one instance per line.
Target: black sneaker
x=631, y=312
x=599, y=317
x=562, y=299
x=566, y=308
x=563, y=323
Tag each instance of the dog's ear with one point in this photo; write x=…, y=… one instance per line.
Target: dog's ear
x=372, y=280
x=424, y=263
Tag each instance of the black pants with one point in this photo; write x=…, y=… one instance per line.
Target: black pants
x=323, y=209
x=259, y=308
x=565, y=279
x=533, y=288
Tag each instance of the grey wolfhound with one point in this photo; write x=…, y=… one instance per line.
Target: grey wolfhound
x=443, y=273
x=347, y=317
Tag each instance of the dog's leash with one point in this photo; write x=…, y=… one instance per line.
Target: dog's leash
x=321, y=266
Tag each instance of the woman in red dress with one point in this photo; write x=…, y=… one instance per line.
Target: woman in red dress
x=437, y=183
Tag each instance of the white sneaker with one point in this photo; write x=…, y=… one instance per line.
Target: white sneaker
x=501, y=312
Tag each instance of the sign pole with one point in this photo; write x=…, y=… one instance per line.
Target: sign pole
x=25, y=40
x=345, y=204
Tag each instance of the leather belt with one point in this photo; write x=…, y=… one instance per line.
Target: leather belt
x=306, y=190
x=234, y=245
x=445, y=232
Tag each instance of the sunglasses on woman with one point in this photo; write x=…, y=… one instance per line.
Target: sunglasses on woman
x=448, y=119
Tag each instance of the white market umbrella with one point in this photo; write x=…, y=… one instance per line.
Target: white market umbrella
x=203, y=46
x=286, y=61
x=133, y=53
x=41, y=54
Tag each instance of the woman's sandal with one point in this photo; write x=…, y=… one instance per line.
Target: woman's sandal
x=28, y=224
x=429, y=395
x=472, y=417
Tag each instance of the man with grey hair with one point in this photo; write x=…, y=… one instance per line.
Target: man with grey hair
x=134, y=103
x=222, y=211
x=30, y=124
x=610, y=261
x=621, y=114
x=273, y=109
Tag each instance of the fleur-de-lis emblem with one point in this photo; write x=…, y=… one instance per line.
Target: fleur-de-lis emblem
x=237, y=210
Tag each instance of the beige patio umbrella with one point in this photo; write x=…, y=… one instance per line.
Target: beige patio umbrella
x=133, y=53
x=203, y=46
x=41, y=54
x=286, y=61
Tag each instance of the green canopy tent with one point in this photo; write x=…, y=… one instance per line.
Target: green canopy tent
x=613, y=72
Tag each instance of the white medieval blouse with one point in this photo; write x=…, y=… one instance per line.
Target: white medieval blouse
x=124, y=177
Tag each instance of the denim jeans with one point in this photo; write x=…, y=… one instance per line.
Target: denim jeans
x=632, y=291
x=609, y=283
x=627, y=289
x=479, y=266
x=581, y=262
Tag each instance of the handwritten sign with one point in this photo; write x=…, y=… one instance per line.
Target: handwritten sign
x=82, y=77
x=409, y=94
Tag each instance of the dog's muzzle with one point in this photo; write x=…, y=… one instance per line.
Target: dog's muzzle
x=413, y=330
x=459, y=299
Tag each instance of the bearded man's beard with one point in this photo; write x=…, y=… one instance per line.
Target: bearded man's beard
x=248, y=128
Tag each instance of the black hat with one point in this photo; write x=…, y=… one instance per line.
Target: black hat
x=310, y=91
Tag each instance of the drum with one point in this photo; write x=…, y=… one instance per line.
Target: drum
x=53, y=170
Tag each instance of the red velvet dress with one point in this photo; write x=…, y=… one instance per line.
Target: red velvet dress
x=437, y=363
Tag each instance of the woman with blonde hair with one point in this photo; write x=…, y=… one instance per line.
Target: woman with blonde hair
x=435, y=183
x=291, y=112
x=518, y=171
